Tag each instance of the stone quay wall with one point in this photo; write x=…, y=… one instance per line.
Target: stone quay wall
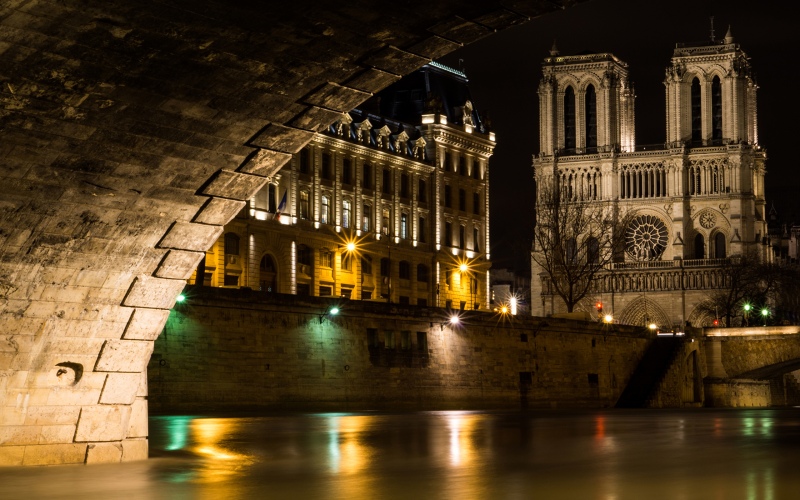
x=225, y=349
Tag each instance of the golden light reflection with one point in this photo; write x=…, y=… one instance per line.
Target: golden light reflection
x=462, y=427
x=223, y=463
x=350, y=456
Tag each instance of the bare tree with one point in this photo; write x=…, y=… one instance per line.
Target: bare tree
x=573, y=241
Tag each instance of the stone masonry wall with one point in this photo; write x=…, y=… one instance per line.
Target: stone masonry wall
x=237, y=349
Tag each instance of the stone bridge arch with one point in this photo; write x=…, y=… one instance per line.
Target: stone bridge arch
x=131, y=133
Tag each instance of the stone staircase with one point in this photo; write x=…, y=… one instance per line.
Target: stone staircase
x=644, y=382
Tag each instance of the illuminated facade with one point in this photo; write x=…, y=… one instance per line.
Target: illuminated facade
x=404, y=178
x=693, y=201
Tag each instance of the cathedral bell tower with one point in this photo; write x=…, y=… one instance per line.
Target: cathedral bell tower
x=585, y=105
x=711, y=95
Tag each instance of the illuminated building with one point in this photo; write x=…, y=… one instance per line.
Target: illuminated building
x=692, y=202
x=404, y=178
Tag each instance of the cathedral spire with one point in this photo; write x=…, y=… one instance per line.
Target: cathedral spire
x=729, y=36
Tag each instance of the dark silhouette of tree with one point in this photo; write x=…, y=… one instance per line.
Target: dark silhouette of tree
x=573, y=241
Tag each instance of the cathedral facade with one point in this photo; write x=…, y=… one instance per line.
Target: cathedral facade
x=389, y=203
x=689, y=204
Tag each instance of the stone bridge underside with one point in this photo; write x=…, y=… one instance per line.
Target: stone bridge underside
x=130, y=132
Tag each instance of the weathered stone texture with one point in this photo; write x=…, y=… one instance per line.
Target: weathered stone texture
x=124, y=356
x=146, y=324
x=102, y=423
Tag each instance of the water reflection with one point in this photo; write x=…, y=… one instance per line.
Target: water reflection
x=608, y=455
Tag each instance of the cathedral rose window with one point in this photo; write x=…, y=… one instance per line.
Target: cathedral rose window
x=646, y=238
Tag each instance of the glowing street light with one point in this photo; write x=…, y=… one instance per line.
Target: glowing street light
x=747, y=308
x=608, y=318
x=463, y=267
x=351, y=246
x=180, y=298
x=764, y=314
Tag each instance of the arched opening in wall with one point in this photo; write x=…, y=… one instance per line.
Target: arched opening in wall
x=697, y=120
x=719, y=246
x=699, y=246
x=592, y=250
x=569, y=120
x=716, y=110
x=692, y=381
x=267, y=275
x=590, y=108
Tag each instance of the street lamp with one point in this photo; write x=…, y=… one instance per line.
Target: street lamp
x=747, y=308
x=764, y=314
x=333, y=311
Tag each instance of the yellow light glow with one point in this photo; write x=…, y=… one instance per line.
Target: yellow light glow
x=652, y=326
x=351, y=246
x=504, y=309
x=463, y=267
x=608, y=318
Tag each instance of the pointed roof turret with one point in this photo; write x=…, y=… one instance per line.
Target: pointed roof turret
x=729, y=36
x=554, y=49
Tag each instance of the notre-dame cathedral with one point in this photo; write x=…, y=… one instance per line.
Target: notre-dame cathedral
x=691, y=203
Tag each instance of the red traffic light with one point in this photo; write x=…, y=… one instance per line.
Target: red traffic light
x=716, y=322
x=599, y=306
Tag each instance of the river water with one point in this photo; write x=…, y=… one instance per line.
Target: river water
x=704, y=454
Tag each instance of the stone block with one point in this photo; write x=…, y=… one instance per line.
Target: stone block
x=124, y=356
x=315, y=118
x=120, y=388
x=263, y=162
x=90, y=278
x=103, y=423
x=139, y=423
x=156, y=293
x=282, y=138
x=53, y=434
x=233, y=185
x=11, y=456
x=12, y=435
x=103, y=453
x=179, y=264
x=336, y=97
x=54, y=454
x=434, y=47
x=77, y=395
x=396, y=61
x=146, y=324
x=191, y=236
x=52, y=415
x=134, y=449
x=461, y=30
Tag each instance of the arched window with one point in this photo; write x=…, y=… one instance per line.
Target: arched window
x=268, y=275
x=404, y=270
x=719, y=246
x=304, y=255
x=366, y=265
x=572, y=251
x=590, y=107
x=304, y=204
x=699, y=247
x=716, y=109
x=273, y=195
x=569, y=119
x=697, y=122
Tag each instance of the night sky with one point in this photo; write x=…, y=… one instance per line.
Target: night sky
x=504, y=70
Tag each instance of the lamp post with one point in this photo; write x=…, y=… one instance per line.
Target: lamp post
x=764, y=314
x=747, y=308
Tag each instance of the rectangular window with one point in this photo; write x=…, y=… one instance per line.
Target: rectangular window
x=325, y=258
x=448, y=234
x=325, y=291
x=367, y=219
x=347, y=171
x=422, y=302
x=385, y=269
x=404, y=300
x=366, y=176
x=346, y=208
x=305, y=161
x=405, y=340
x=326, y=166
x=404, y=186
x=231, y=280
x=421, y=230
x=324, y=210
x=304, y=204
x=462, y=200
x=404, y=270
x=476, y=170
x=404, y=226
x=476, y=239
x=386, y=182
x=462, y=235
x=462, y=165
x=422, y=193
x=347, y=262
x=385, y=219
x=389, y=339
x=448, y=161
x=448, y=196
x=272, y=193
x=422, y=342
x=476, y=203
